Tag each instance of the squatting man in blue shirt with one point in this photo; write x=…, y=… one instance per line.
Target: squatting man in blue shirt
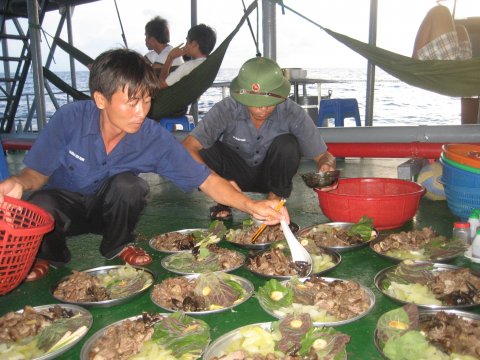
x=255, y=138
x=84, y=166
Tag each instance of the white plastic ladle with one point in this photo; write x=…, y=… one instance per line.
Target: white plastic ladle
x=297, y=251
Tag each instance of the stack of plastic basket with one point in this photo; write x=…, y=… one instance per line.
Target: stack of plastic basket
x=461, y=177
x=22, y=226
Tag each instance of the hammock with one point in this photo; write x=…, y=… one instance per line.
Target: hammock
x=459, y=78
x=174, y=98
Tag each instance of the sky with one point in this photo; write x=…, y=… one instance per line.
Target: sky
x=97, y=28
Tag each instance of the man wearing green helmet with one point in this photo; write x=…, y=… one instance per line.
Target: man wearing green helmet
x=256, y=137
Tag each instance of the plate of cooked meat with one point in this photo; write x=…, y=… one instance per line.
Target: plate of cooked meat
x=103, y=286
x=430, y=285
x=339, y=236
x=329, y=301
x=42, y=332
x=425, y=244
x=241, y=235
x=293, y=337
x=276, y=262
x=412, y=333
x=203, y=259
x=148, y=335
x=187, y=239
x=202, y=293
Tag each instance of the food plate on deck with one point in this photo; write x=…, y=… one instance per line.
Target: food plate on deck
x=103, y=286
x=175, y=241
x=424, y=244
x=280, y=340
x=328, y=301
x=173, y=336
x=42, y=332
x=411, y=333
x=276, y=262
x=430, y=285
x=241, y=235
x=202, y=293
x=187, y=239
x=338, y=236
x=203, y=259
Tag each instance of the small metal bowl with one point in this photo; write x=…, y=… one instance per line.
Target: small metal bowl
x=316, y=180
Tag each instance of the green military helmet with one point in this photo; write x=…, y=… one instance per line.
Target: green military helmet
x=260, y=82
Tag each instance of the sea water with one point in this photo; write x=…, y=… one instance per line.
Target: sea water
x=395, y=103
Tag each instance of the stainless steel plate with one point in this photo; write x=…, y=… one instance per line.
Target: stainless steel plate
x=183, y=232
x=77, y=310
x=336, y=259
x=381, y=278
x=294, y=227
x=338, y=225
x=397, y=259
x=87, y=347
x=246, y=285
x=369, y=293
x=165, y=264
x=425, y=314
x=218, y=347
x=148, y=277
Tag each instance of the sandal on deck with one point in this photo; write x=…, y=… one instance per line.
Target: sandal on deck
x=135, y=256
x=38, y=270
x=221, y=212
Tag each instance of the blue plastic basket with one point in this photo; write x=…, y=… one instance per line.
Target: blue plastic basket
x=455, y=176
x=462, y=200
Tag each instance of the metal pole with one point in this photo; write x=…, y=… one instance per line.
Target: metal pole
x=35, y=51
x=194, y=21
x=372, y=40
x=73, y=75
x=193, y=12
x=269, y=25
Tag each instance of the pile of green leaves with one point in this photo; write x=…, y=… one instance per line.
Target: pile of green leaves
x=362, y=228
x=223, y=289
x=182, y=335
x=283, y=295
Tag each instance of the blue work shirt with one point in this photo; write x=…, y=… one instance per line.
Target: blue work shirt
x=229, y=122
x=70, y=150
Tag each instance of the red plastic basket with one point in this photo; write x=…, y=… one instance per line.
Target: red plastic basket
x=390, y=202
x=22, y=226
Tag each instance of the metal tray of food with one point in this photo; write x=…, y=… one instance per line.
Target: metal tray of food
x=77, y=310
x=247, y=286
x=336, y=259
x=304, y=233
x=381, y=280
x=425, y=314
x=88, y=346
x=446, y=258
x=165, y=262
x=219, y=347
x=259, y=246
x=156, y=247
x=368, y=292
x=139, y=286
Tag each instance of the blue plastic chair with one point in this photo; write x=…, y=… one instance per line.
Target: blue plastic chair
x=185, y=121
x=338, y=109
x=4, y=173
